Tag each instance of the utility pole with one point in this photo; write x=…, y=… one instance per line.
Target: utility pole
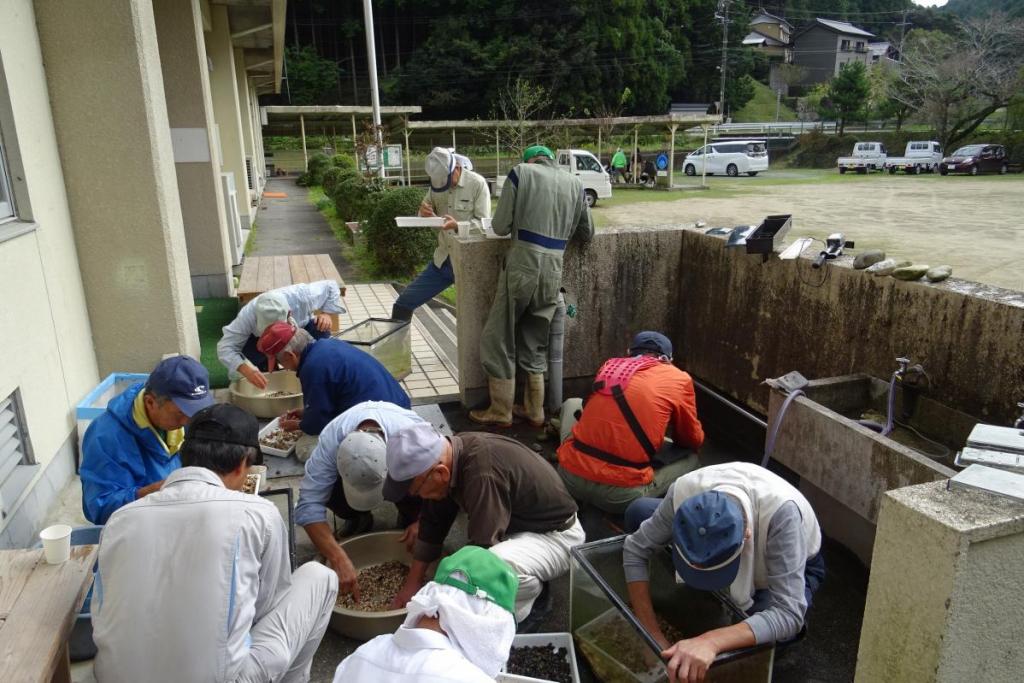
x=371, y=58
x=723, y=15
x=903, y=32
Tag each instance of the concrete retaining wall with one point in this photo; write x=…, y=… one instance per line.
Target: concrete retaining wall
x=736, y=321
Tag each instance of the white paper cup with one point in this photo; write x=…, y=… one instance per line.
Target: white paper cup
x=56, y=543
x=463, y=229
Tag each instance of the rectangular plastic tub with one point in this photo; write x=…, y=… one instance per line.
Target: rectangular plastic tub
x=769, y=235
x=535, y=639
x=271, y=427
x=389, y=341
x=619, y=649
x=95, y=402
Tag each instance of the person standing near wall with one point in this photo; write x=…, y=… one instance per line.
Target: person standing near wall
x=543, y=207
x=619, y=165
x=457, y=194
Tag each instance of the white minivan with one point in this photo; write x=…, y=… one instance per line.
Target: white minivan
x=730, y=157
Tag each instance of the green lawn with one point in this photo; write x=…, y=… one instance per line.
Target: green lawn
x=211, y=316
x=761, y=108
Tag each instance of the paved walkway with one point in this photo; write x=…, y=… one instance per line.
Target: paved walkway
x=293, y=226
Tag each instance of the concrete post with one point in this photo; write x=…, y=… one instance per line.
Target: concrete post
x=305, y=155
x=109, y=112
x=227, y=108
x=408, y=159
x=245, y=107
x=197, y=165
x=946, y=593
x=355, y=141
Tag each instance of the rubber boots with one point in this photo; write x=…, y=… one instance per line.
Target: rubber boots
x=499, y=413
x=533, y=401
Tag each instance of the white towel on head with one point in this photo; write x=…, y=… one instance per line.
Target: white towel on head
x=479, y=629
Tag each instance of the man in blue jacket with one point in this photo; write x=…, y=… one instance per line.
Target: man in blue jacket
x=334, y=375
x=129, y=450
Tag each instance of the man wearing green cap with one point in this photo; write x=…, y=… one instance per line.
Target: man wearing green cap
x=459, y=628
x=542, y=207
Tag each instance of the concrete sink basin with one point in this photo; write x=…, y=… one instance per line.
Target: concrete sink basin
x=845, y=468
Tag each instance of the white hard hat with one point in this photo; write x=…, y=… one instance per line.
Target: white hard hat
x=362, y=465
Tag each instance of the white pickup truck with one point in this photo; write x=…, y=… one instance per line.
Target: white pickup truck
x=596, y=182
x=921, y=156
x=867, y=156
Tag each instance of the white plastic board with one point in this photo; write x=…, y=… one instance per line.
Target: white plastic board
x=419, y=221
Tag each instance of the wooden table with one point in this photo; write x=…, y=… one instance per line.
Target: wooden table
x=264, y=273
x=38, y=606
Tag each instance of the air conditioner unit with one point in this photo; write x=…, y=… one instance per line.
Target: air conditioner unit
x=234, y=220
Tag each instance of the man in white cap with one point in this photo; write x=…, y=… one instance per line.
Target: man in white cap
x=457, y=194
x=737, y=528
x=515, y=504
x=459, y=628
x=345, y=474
x=308, y=305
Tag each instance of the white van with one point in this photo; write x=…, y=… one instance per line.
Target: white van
x=730, y=157
x=596, y=182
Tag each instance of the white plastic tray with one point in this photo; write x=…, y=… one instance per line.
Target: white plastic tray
x=419, y=221
x=489, y=232
x=271, y=426
x=534, y=640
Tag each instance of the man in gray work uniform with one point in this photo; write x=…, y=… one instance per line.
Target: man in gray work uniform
x=542, y=207
x=737, y=528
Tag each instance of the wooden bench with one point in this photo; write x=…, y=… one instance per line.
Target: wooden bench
x=264, y=273
x=38, y=606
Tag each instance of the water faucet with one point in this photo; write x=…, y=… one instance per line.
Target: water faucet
x=904, y=365
x=1019, y=423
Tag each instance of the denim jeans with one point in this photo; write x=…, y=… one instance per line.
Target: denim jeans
x=431, y=282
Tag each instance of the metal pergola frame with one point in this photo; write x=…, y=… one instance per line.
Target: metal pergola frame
x=284, y=118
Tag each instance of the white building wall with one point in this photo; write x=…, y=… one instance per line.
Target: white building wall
x=44, y=323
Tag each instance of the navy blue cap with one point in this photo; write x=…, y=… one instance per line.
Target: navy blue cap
x=648, y=340
x=707, y=536
x=183, y=380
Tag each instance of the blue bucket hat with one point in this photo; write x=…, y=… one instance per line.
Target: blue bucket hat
x=183, y=380
x=707, y=537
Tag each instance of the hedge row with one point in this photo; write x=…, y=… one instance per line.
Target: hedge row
x=391, y=251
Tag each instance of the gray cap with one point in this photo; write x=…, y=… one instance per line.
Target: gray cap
x=440, y=165
x=362, y=466
x=271, y=307
x=411, y=451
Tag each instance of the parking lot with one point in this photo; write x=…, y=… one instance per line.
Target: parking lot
x=971, y=223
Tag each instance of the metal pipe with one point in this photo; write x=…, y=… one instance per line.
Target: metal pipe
x=730, y=404
x=371, y=56
x=556, y=338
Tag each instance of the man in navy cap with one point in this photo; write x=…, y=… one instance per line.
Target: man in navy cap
x=737, y=528
x=615, y=449
x=129, y=450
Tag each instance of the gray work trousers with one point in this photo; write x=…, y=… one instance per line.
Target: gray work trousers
x=520, y=318
x=286, y=638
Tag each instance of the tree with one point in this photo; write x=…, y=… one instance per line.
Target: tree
x=311, y=78
x=517, y=103
x=884, y=85
x=956, y=82
x=847, y=95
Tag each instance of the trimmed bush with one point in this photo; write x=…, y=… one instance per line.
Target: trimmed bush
x=397, y=252
x=343, y=161
x=332, y=177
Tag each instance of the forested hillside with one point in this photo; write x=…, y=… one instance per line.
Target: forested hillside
x=591, y=57
x=981, y=8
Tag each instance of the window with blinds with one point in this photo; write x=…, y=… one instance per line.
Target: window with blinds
x=15, y=448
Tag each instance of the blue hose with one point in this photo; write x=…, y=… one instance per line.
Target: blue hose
x=889, y=421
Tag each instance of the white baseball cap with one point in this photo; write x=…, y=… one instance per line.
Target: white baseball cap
x=411, y=451
x=362, y=464
x=271, y=307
